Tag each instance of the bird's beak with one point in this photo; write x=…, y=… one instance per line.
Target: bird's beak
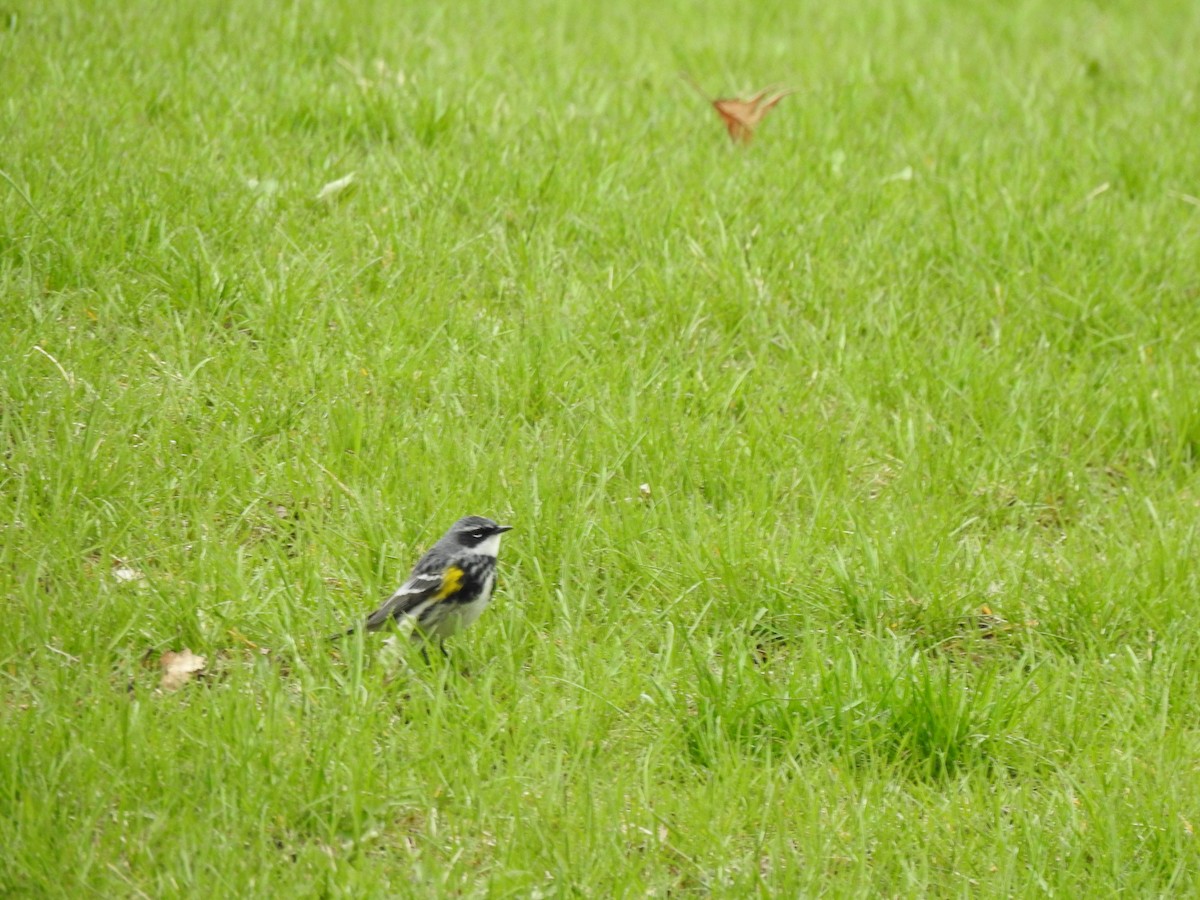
x=500, y=529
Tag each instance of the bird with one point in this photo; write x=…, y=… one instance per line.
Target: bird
x=449, y=587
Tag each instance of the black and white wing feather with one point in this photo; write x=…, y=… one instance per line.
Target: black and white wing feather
x=426, y=584
x=420, y=588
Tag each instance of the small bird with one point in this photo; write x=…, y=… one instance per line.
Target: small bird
x=449, y=586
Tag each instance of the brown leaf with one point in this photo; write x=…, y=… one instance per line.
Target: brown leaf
x=740, y=116
x=180, y=668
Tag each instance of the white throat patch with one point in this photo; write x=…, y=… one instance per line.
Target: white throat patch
x=489, y=546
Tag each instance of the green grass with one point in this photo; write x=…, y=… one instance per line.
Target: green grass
x=928, y=346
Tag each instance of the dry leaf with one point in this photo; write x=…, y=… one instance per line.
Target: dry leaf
x=741, y=117
x=333, y=189
x=127, y=574
x=180, y=668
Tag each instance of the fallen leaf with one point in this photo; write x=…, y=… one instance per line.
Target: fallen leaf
x=180, y=668
x=127, y=574
x=333, y=189
x=740, y=116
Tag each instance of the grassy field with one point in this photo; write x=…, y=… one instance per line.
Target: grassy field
x=909, y=604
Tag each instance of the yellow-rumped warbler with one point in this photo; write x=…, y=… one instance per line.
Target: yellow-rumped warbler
x=449, y=586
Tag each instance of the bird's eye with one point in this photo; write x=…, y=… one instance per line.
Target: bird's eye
x=477, y=534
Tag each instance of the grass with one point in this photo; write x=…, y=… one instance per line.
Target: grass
x=912, y=605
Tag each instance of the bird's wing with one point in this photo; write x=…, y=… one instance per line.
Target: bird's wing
x=421, y=589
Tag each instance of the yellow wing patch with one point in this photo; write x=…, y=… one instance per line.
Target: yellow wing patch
x=451, y=583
